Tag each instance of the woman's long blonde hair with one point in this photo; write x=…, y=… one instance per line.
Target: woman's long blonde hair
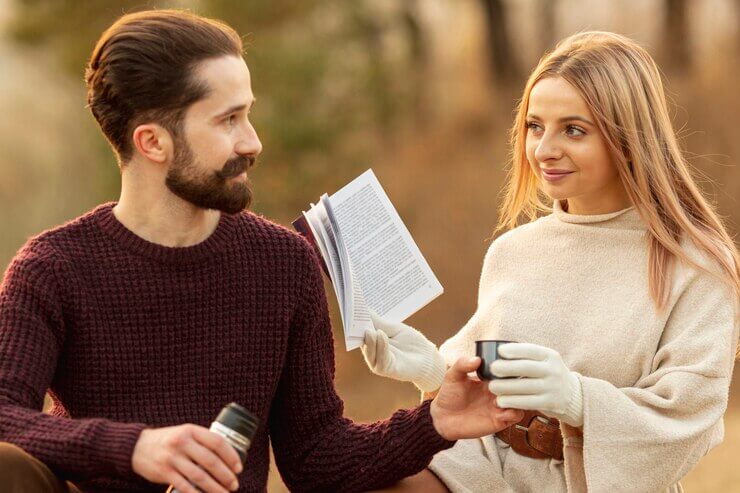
x=622, y=86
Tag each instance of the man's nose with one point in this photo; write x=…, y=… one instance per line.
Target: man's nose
x=249, y=142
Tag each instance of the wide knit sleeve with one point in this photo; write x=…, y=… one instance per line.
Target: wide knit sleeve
x=646, y=437
x=315, y=447
x=32, y=334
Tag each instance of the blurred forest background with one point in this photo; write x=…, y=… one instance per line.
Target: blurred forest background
x=421, y=90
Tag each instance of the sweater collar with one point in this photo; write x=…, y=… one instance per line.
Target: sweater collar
x=627, y=218
x=129, y=240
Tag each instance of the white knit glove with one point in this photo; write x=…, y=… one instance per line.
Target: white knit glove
x=398, y=351
x=545, y=383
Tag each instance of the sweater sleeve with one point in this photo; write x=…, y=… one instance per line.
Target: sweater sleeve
x=648, y=436
x=315, y=447
x=32, y=333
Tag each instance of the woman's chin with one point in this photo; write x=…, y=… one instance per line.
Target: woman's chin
x=555, y=194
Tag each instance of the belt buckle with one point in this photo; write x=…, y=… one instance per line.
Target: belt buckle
x=524, y=447
x=525, y=429
x=542, y=419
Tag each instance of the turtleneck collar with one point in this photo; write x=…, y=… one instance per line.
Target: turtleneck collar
x=627, y=218
x=129, y=240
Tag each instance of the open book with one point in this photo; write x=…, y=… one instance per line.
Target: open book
x=369, y=256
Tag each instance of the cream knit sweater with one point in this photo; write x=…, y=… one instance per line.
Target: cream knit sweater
x=655, y=385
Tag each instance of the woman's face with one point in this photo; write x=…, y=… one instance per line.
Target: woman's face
x=568, y=153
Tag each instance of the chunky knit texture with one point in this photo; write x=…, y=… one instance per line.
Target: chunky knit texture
x=654, y=384
x=127, y=334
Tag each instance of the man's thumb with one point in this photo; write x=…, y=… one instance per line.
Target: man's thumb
x=463, y=366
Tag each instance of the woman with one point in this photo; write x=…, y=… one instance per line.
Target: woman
x=623, y=300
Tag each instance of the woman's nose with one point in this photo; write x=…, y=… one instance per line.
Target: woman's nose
x=547, y=149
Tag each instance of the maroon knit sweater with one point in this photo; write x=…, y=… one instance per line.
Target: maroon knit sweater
x=126, y=334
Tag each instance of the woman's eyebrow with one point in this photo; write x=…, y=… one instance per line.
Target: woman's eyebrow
x=564, y=119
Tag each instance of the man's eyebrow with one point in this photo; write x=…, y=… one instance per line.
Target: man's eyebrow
x=564, y=119
x=234, y=109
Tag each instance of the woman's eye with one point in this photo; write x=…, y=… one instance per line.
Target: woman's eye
x=574, y=131
x=533, y=126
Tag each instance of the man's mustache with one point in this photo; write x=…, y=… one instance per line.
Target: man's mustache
x=236, y=166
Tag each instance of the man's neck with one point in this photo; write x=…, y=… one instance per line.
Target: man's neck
x=155, y=214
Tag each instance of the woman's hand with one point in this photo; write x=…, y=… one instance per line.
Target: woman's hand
x=544, y=383
x=398, y=351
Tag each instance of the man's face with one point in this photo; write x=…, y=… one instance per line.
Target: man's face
x=217, y=143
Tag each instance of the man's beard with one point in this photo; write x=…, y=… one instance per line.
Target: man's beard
x=209, y=189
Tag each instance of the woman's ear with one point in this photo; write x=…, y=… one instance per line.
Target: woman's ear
x=153, y=142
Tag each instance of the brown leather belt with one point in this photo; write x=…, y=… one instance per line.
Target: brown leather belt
x=536, y=436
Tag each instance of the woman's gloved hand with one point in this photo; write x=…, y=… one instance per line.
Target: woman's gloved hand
x=396, y=350
x=545, y=383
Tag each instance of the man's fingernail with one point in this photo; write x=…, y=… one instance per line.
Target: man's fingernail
x=234, y=485
x=237, y=467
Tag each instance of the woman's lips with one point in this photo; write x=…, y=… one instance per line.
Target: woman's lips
x=552, y=175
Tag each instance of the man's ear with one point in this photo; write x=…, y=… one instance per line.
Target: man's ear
x=153, y=142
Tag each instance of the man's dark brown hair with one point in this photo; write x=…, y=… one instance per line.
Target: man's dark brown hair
x=141, y=70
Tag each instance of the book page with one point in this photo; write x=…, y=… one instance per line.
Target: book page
x=319, y=241
x=318, y=221
x=357, y=317
x=395, y=278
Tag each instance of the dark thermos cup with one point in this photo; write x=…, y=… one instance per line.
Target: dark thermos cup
x=237, y=426
x=487, y=351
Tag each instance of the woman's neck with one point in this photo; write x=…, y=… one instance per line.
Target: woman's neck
x=602, y=202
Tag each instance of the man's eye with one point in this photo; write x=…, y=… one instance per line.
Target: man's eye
x=231, y=119
x=574, y=131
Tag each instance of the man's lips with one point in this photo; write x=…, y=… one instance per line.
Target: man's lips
x=236, y=167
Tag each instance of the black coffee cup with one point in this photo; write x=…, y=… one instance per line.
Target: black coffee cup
x=487, y=351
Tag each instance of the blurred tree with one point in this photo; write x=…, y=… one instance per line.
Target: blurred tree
x=333, y=79
x=70, y=27
x=419, y=59
x=547, y=27
x=503, y=63
x=737, y=22
x=675, y=36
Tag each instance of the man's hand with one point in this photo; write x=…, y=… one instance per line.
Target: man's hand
x=184, y=456
x=465, y=408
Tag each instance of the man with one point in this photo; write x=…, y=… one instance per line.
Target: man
x=157, y=310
